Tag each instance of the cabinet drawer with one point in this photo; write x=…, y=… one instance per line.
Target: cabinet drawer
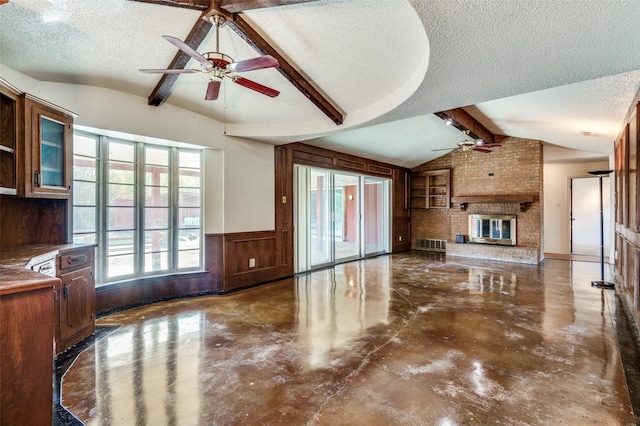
x=75, y=260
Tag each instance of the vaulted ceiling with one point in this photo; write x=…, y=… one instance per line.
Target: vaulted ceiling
x=360, y=76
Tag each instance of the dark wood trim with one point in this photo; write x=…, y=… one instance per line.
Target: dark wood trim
x=320, y=157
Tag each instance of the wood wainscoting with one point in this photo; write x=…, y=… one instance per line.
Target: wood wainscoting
x=227, y=268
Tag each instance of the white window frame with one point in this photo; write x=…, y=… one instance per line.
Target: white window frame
x=174, y=228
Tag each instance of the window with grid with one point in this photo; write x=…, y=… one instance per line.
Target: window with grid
x=140, y=203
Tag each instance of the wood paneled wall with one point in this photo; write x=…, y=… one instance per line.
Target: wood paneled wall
x=627, y=214
x=27, y=221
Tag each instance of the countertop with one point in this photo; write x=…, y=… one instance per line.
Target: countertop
x=15, y=275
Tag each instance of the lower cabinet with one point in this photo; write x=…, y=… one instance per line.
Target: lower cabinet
x=75, y=297
x=26, y=321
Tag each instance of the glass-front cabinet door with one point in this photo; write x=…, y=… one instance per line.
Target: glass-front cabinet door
x=49, y=134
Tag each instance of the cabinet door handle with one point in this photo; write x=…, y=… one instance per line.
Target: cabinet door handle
x=73, y=260
x=65, y=291
x=45, y=268
x=36, y=179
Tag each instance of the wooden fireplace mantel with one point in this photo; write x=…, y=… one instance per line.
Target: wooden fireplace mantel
x=523, y=199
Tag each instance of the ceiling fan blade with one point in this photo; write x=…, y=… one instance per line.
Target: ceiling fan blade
x=481, y=149
x=169, y=71
x=188, y=50
x=213, y=89
x=258, y=63
x=249, y=84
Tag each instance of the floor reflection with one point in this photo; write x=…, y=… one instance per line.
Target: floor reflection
x=400, y=339
x=336, y=306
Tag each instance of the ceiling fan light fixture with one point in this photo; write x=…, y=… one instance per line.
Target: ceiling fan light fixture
x=449, y=121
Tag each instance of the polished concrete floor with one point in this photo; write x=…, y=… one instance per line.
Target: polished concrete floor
x=408, y=339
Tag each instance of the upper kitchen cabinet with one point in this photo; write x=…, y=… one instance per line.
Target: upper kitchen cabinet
x=48, y=131
x=10, y=132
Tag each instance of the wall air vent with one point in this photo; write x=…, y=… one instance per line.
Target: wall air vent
x=429, y=244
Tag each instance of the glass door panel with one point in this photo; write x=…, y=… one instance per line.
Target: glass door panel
x=52, y=154
x=346, y=195
x=336, y=215
x=321, y=232
x=375, y=216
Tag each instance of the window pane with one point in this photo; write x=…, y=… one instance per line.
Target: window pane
x=121, y=173
x=156, y=218
x=156, y=241
x=188, y=259
x=120, y=265
x=156, y=262
x=121, y=195
x=84, y=168
x=84, y=219
x=156, y=196
x=156, y=156
x=120, y=218
x=189, y=197
x=189, y=178
x=120, y=243
x=189, y=159
x=188, y=239
x=189, y=218
x=85, y=238
x=84, y=194
x=121, y=152
x=156, y=175
x=83, y=145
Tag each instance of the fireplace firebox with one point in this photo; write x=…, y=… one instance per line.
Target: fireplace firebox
x=492, y=229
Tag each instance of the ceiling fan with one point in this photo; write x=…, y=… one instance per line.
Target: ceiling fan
x=219, y=66
x=472, y=145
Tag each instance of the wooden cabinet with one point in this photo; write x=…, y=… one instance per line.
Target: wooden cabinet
x=430, y=190
x=76, y=296
x=46, y=169
x=10, y=132
x=26, y=362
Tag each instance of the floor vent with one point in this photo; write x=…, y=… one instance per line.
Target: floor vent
x=429, y=244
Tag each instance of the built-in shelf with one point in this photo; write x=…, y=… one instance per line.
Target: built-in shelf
x=430, y=190
x=523, y=199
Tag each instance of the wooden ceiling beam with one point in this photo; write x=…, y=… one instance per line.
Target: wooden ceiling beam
x=194, y=39
x=463, y=121
x=254, y=39
x=237, y=6
x=236, y=21
x=202, y=5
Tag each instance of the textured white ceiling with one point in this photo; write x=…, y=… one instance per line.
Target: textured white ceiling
x=545, y=70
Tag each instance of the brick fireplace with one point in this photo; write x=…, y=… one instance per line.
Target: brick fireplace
x=506, y=182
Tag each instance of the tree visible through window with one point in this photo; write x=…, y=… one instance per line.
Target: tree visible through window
x=140, y=203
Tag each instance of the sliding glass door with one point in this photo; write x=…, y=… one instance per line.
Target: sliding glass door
x=339, y=217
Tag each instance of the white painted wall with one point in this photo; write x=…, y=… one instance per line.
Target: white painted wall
x=557, y=202
x=249, y=186
x=239, y=174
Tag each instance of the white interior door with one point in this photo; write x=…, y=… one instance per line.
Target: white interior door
x=585, y=215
